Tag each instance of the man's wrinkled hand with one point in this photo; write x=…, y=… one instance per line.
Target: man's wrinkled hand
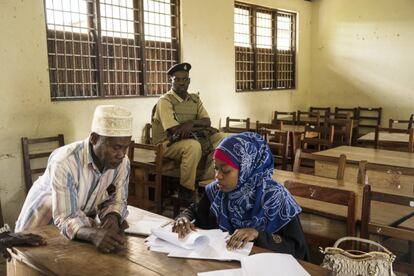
x=111, y=222
x=8, y=240
x=107, y=240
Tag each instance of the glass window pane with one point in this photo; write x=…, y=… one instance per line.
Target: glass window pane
x=157, y=20
x=117, y=18
x=263, y=30
x=67, y=15
x=241, y=27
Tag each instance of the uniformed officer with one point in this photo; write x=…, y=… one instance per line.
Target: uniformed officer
x=182, y=124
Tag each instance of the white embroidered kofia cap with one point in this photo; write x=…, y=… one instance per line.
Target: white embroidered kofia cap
x=112, y=121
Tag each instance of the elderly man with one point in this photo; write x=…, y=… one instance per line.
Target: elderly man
x=182, y=124
x=84, y=180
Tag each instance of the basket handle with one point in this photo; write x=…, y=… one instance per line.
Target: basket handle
x=362, y=240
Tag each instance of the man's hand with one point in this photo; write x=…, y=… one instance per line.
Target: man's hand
x=184, y=130
x=111, y=222
x=240, y=237
x=183, y=227
x=8, y=240
x=107, y=240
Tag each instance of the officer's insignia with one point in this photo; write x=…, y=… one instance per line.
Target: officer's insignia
x=185, y=67
x=276, y=238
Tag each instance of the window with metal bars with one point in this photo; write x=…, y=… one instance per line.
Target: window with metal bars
x=265, y=46
x=111, y=48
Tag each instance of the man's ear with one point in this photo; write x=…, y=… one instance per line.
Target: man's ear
x=93, y=139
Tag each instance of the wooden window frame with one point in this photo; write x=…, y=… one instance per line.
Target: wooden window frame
x=149, y=71
x=249, y=75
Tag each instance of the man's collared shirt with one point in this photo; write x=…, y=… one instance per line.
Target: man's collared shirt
x=73, y=190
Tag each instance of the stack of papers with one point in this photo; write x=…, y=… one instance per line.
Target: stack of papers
x=200, y=244
x=263, y=264
x=142, y=222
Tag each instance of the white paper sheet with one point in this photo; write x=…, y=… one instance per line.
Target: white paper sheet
x=270, y=264
x=141, y=222
x=224, y=272
x=214, y=249
x=193, y=240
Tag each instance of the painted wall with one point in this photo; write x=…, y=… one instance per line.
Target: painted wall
x=362, y=55
x=207, y=42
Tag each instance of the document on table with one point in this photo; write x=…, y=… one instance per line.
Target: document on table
x=263, y=264
x=194, y=240
x=142, y=222
x=200, y=244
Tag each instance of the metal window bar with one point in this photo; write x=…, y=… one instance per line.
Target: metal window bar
x=260, y=66
x=286, y=50
x=244, y=50
x=161, y=40
x=98, y=48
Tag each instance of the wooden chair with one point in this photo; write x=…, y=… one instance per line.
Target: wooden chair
x=342, y=130
x=35, y=154
x=393, y=145
x=404, y=263
x=170, y=175
x=393, y=123
x=278, y=143
x=147, y=133
x=1, y=217
x=288, y=118
x=322, y=110
x=369, y=118
x=320, y=230
x=399, y=178
x=145, y=184
x=305, y=118
x=342, y=113
x=245, y=125
x=266, y=129
x=318, y=137
x=301, y=156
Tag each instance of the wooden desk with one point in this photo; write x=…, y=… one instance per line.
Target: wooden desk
x=399, y=140
x=376, y=156
x=392, y=213
x=394, y=138
x=408, y=224
x=64, y=257
x=285, y=127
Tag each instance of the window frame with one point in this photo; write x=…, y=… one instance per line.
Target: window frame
x=252, y=49
x=97, y=71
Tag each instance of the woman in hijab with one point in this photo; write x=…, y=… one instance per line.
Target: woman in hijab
x=245, y=201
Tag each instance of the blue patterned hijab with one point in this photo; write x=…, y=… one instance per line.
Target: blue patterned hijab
x=258, y=201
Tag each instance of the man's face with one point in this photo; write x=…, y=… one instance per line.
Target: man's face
x=180, y=81
x=110, y=151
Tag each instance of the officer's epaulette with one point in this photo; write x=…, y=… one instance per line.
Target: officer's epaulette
x=195, y=97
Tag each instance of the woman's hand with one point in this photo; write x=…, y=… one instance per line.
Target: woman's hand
x=183, y=227
x=240, y=237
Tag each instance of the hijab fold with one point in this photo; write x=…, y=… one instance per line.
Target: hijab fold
x=258, y=201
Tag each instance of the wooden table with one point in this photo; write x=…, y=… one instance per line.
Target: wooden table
x=285, y=127
x=376, y=156
x=394, y=138
x=64, y=257
x=392, y=213
x=408, y=224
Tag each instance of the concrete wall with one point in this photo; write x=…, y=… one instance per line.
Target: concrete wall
x=207, y=43
x=362, y=55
